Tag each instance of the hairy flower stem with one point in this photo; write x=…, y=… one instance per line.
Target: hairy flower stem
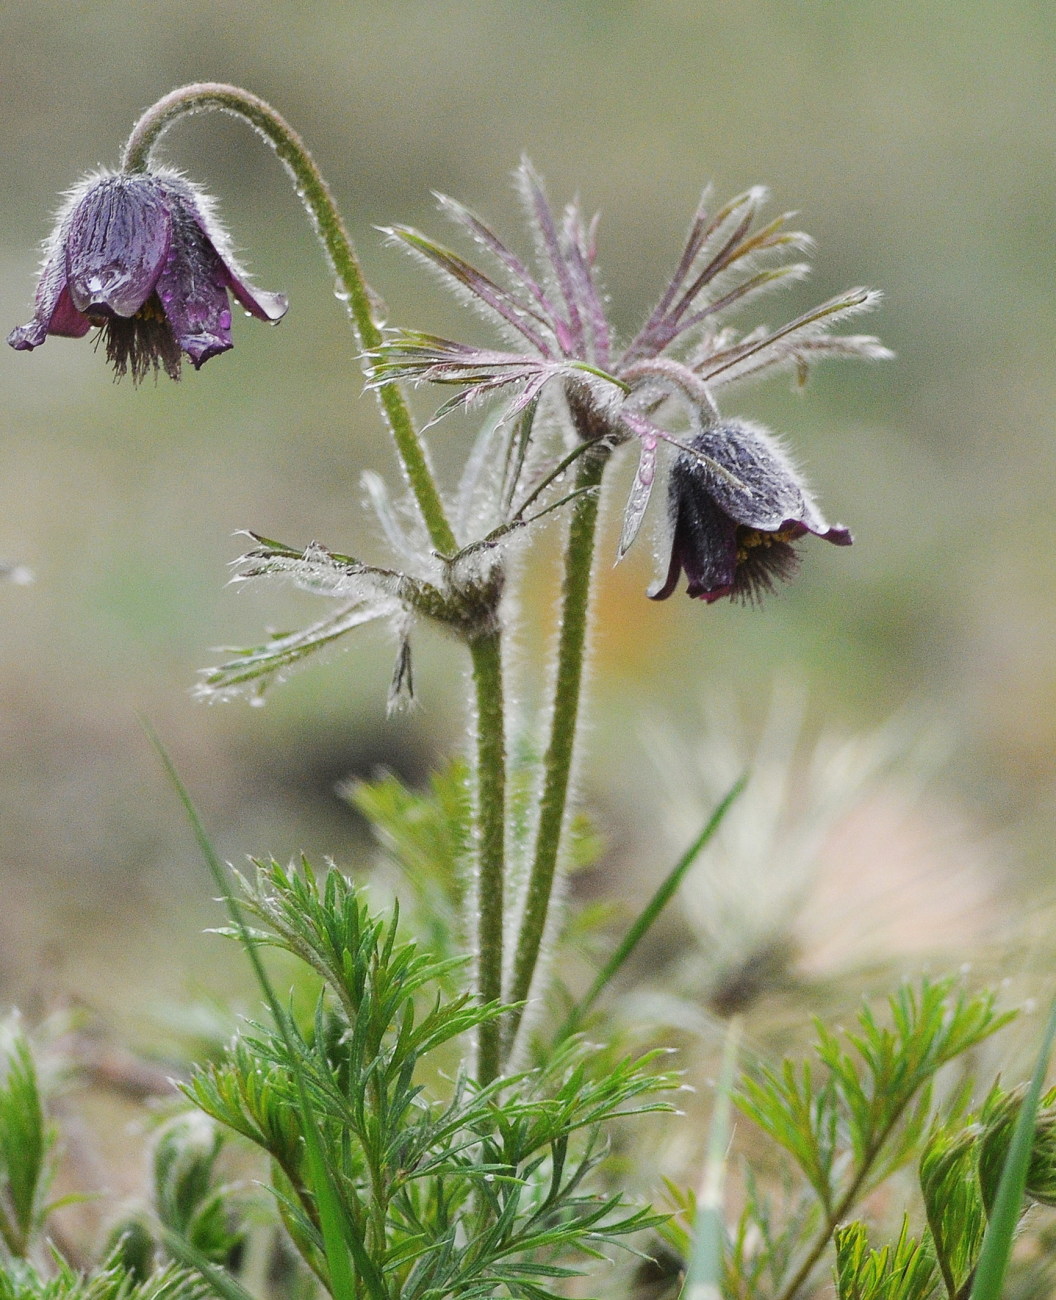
x=557, y=765
x=491, y=842
x=314, y=192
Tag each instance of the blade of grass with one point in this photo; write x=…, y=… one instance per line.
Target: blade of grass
x=25, y=1144
x=650, y=912
x=333, y=1224
x=704, y=1274
x=1001, y=1230
x=225, y=1286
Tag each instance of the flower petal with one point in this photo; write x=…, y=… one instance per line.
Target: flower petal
x=193, y=204
x=703, y=546
x=192, y=288
x=707, y=549
x=66, y=321
x=55, y=313
x=770, y=494
x=116, y=242
x=258, y=302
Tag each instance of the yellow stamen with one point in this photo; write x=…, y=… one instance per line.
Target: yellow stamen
x=151, y=310
x=750, y=538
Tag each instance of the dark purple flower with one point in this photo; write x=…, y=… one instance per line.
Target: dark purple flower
x=143, y=256
x=736, y=508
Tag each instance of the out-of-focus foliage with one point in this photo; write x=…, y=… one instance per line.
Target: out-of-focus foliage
x=108, y=1282
x=891, y=1095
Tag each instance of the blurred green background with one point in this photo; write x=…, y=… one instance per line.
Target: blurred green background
x=916, y=142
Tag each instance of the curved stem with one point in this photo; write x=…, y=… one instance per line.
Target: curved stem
x=491, y=842
x=557, y=765
x=315, y=194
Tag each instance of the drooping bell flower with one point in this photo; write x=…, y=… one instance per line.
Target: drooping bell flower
x=736, y=507
x=143, y=256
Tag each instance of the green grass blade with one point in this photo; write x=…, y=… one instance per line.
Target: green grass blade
x=1001, y=1230
x=223, y=1284
x=25, y=1144
x=704, y=1274
x=336, y=1232
x=651, y=911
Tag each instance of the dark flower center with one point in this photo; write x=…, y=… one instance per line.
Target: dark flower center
x=749, y=538
x=763, y=560
x=140, y=343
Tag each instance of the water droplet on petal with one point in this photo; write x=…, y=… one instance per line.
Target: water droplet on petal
x=225, y=320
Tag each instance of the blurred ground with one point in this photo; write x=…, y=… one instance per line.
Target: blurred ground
x=917, y=145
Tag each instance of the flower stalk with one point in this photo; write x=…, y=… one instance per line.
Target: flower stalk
x=486, y=652
x=557, y=764
x=317, y=198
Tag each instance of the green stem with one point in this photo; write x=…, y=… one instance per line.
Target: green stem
x=557, y=765
x=315, y=194
x=491, y=842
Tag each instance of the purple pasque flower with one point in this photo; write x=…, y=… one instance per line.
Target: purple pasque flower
x=732, y=531
x=142, y=255
x=660, y=387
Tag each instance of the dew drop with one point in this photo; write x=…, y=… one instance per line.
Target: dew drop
x=225, y=320
x=257, y=701
x=340, y=292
